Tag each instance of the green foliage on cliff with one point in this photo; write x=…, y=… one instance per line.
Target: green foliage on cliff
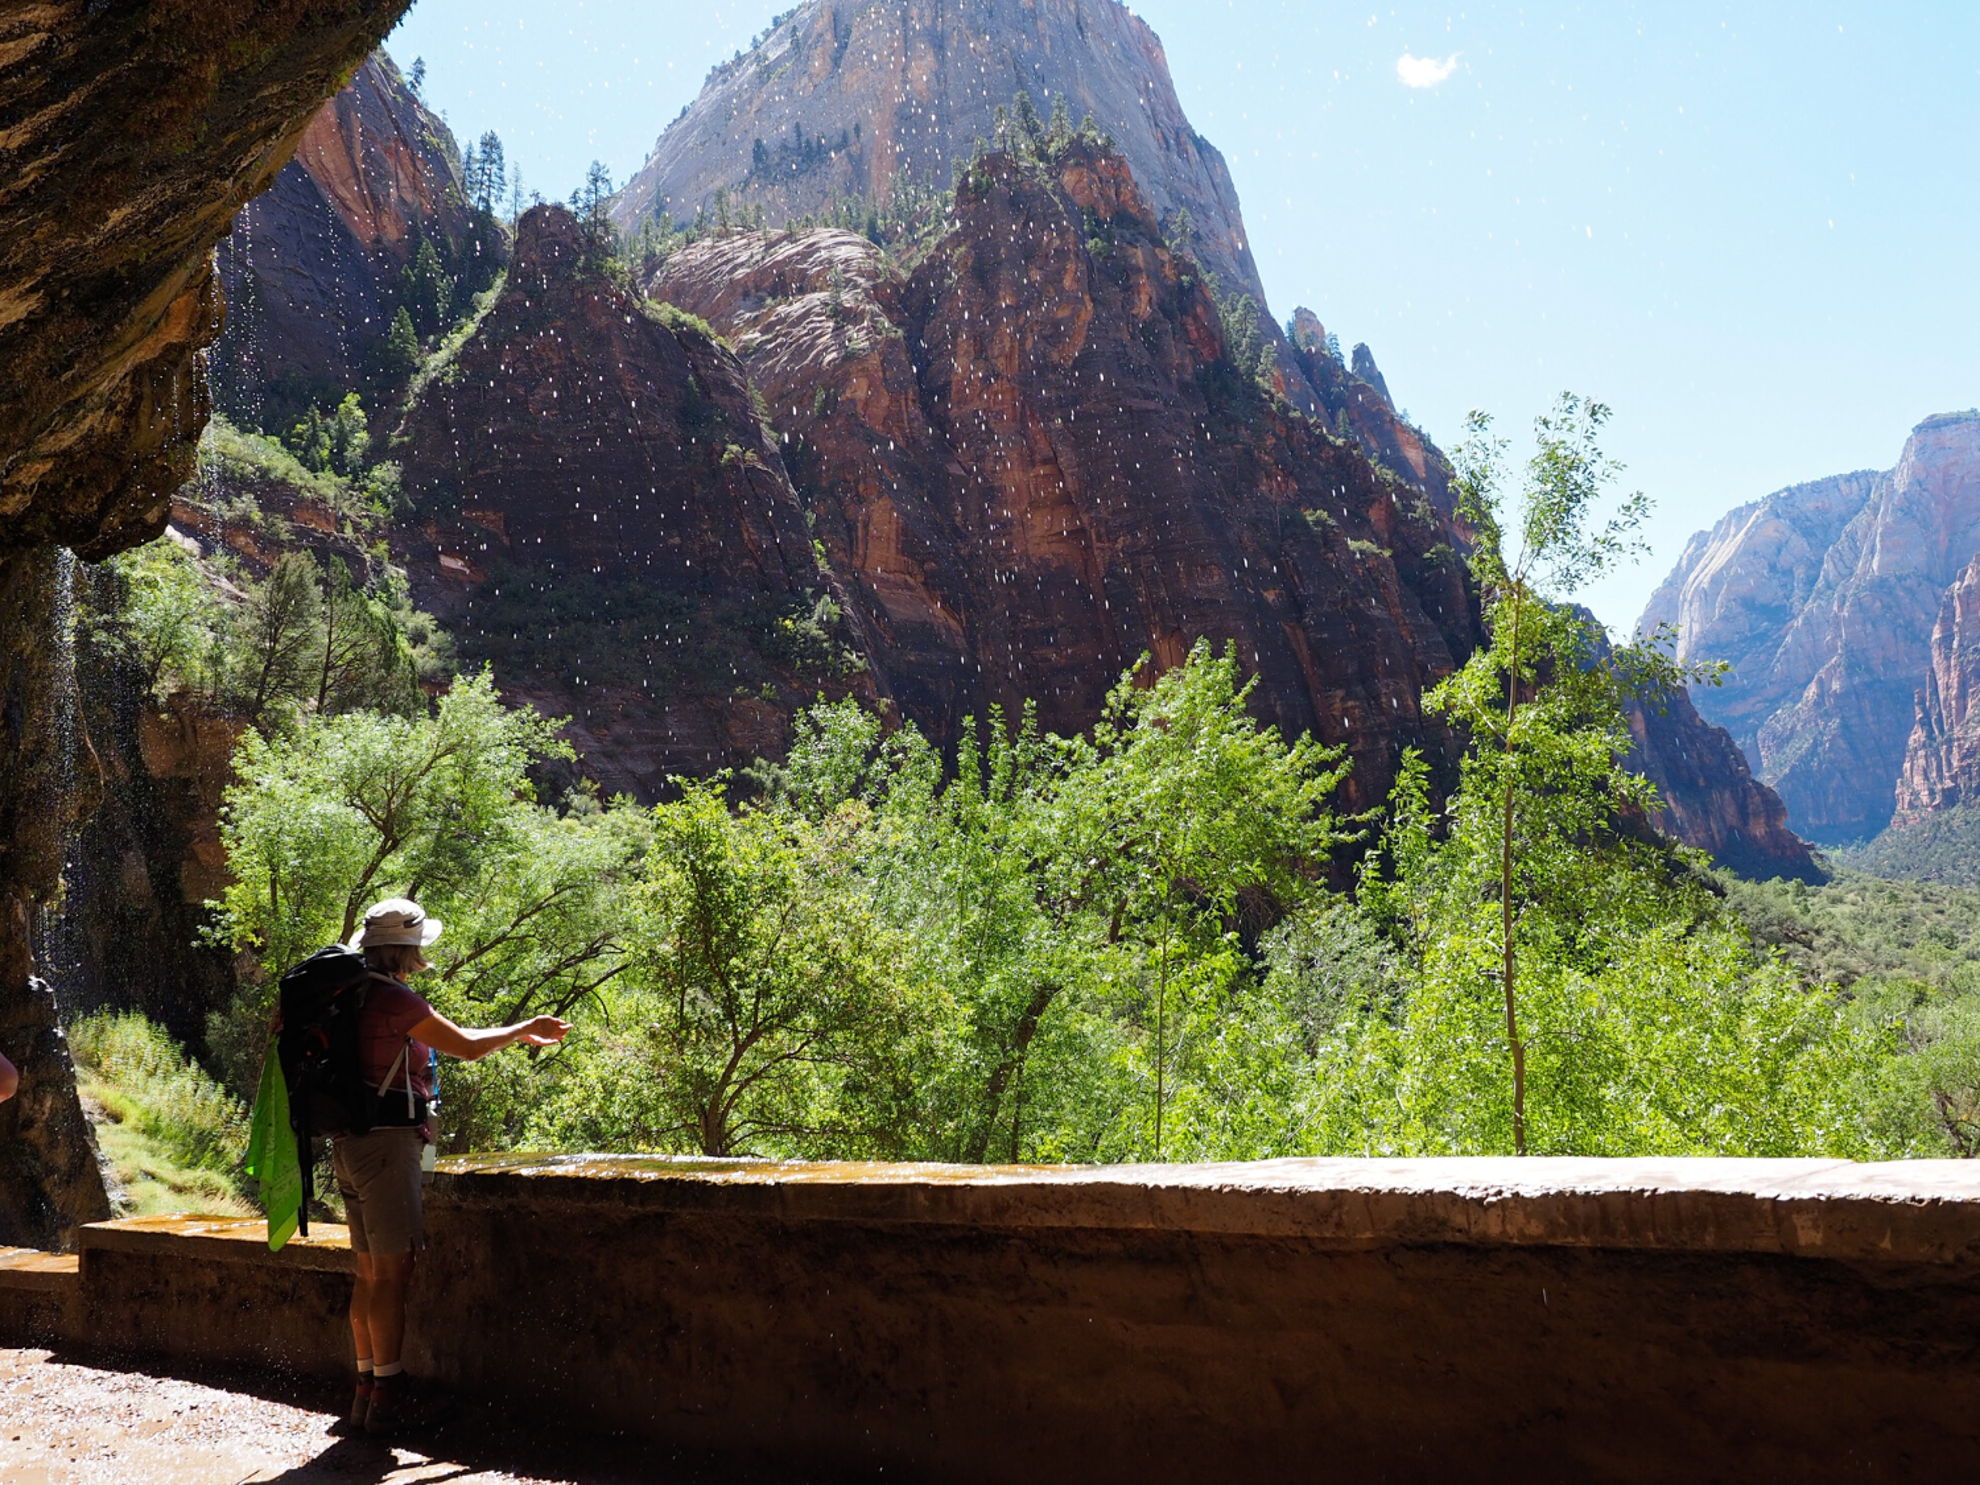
x=308, y=637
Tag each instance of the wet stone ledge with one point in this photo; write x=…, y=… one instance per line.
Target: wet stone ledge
x=1410, y=1320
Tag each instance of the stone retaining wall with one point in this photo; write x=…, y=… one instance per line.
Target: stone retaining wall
x=1615, y=1320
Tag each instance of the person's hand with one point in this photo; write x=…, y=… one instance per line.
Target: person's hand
x=544, y=1031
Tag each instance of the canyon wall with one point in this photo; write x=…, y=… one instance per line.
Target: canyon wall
x=603, y=512
x=1035, y=461
x=902, y=91
x=129, y=138
x=1942, y=756
x=884, y=102
x=1824, y=597
x=311, y=269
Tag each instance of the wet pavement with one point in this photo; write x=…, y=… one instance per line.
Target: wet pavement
x=65, y=1421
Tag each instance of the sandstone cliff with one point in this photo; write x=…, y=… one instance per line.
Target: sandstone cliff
x=1711, y=799
x=130, y=141
x=603, y=513
x=884, y=101
x=1739, y=587
x=1828, y=613
x=1035, y=462
x=1942, y=757
x=311, y=269
x=901, y=92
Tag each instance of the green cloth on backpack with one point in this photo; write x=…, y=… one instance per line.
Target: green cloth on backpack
x=271, y=1156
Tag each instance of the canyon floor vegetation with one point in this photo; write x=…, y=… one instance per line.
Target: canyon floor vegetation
x=1159, y=939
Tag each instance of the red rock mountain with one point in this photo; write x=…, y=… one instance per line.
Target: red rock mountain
x=882, y=101
x=312, y=268
x=1942, y=758
x=839, y=99
x=603, y=512
x=1034, y=461
x=1016, y=465
x=1711, y=799
x=1825, y=597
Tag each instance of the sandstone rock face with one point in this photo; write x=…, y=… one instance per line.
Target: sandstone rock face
x=1740, y=586
x=1711, y=799
x=1942, y=758
x=912, y=86
x=128, y=141
x=129, y=138
x=1035, y=463
x=310, y=268
x=49, y=1181
x=603, y=512
x=1825, y=597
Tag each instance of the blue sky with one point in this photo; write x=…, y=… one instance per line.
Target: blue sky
x=1752, y=229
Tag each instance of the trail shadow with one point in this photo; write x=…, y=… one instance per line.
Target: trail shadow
x=475, y=1437
x=359, y=1462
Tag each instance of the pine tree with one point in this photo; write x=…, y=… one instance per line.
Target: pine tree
x=591, y=202
x=494, y=172
x=1060, y=134
x=1028, y=133
x=426, y=289
x=401, y=345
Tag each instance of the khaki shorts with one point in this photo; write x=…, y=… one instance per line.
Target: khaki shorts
x=379, y=1176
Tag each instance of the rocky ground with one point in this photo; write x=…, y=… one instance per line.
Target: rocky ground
x=70, y=1422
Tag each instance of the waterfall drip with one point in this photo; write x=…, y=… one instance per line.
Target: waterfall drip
x=56, y=938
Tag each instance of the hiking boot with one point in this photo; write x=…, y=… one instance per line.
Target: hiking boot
x=400, y=1406
x=360, y=1410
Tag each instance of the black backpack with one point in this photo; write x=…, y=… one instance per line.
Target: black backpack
x=322, y=999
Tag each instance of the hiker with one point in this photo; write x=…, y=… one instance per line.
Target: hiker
x=10, y=1079
x=379, y=1173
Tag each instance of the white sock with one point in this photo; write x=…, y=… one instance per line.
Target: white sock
x=386, y=1373
x=364, y=1366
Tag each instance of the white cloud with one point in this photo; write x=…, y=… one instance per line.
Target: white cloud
x=1424, y=72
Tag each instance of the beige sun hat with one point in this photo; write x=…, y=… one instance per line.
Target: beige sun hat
x=396, y=920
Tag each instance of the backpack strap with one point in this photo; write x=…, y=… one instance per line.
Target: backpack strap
x=404, y=1059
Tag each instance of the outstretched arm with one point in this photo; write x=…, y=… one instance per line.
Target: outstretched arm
x=10, y=1080
x=471, y=1046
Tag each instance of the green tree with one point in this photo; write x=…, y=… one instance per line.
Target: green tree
x=426, y=289
x=592, y=203
x=773, y=1011
x=364, y=660
x=1541, y=710
x=491, y=173
x=154, y=608
x=400, y=356
x=1080, y=899
x=274, y=641
x=342, y=810
x=1192, y=807
x=338, y=444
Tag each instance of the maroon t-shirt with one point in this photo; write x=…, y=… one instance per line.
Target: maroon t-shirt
x=391, y=1011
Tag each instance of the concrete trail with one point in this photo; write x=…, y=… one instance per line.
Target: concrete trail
x=1634, y=1321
